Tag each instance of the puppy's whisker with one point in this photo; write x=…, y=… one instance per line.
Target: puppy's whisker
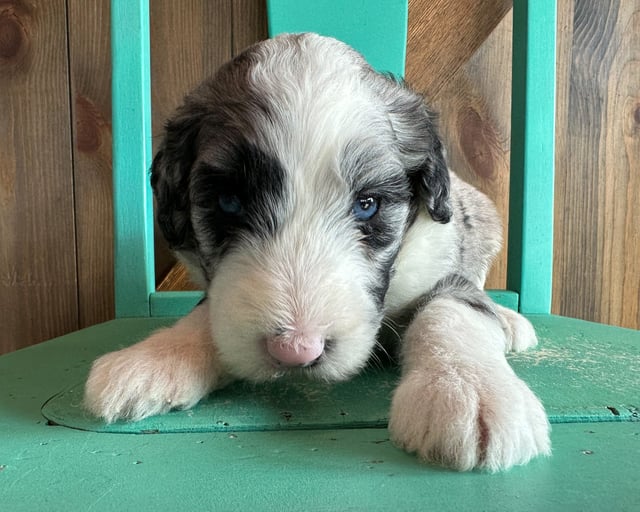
x=393, y=328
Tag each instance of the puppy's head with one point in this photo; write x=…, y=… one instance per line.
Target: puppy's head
x=286, y=183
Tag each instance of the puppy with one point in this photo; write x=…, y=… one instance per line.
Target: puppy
x=310, y=197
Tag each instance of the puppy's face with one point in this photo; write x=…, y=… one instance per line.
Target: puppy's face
x=286, y=182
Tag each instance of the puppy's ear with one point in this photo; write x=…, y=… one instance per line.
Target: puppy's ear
x=431, y=181
x=420, y=147
x=170, y=174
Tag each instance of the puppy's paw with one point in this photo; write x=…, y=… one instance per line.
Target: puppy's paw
x=152, y=377
x=519, y=332
x=469, y=421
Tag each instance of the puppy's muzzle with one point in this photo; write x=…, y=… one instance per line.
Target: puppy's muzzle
x=294, y=349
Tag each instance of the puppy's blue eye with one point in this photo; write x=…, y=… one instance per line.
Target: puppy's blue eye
x=230, y=204
x=364, y=208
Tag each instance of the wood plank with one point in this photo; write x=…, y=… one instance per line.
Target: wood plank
x=621, y=188
x=90, y=63
x=597, y=210
x=176, y=279
x=38, y=294
x=249, y=23
x=189, y=41
x=444, y=34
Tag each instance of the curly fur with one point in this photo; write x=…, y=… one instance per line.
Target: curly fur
x=263, y=185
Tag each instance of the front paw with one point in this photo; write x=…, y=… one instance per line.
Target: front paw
x=152, y=377
x=463, y=420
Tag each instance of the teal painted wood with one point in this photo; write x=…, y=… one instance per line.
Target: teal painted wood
x=133, y=205
x=505, y=298
x=530, y=258
x=173, y=303
x=42, y=465
x=376, y=28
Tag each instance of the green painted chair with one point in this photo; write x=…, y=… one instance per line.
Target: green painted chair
x=266, y=449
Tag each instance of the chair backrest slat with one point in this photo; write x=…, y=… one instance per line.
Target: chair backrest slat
x=378, y=29
x=133, y=205
x=530, y=245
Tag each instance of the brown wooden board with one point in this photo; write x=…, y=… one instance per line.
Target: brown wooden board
x=597, y=229
x=90, y=76
x=38, y=282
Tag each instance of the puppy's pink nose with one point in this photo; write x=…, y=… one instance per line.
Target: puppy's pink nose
x=295, y=350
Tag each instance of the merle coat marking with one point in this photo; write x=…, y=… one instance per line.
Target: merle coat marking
x=310, y=197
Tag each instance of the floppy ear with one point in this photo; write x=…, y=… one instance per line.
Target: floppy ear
x=431, y=181
x=420, y=147
x=170, y=174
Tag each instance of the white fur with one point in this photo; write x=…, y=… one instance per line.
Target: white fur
x=414, y=275
x=459, y=402
x=302, y=283
x=171, y=369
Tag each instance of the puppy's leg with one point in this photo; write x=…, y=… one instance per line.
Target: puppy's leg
x=172, y=369
x=459, y=403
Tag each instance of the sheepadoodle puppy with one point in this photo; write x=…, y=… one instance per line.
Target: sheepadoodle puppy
x=310, y=197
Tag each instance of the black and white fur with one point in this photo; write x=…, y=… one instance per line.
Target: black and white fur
x=264, y=184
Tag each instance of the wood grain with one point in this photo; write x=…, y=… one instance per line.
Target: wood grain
x=176, y=279
x=90, y=65
x=597, y=231
x=38, y=286
x=444, y=34
x=249, y=23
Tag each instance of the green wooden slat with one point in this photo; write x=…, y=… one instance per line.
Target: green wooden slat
x=133, y=207
x=505, y=298
x=530, y=257
x=376, y=28
x=173, y=303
